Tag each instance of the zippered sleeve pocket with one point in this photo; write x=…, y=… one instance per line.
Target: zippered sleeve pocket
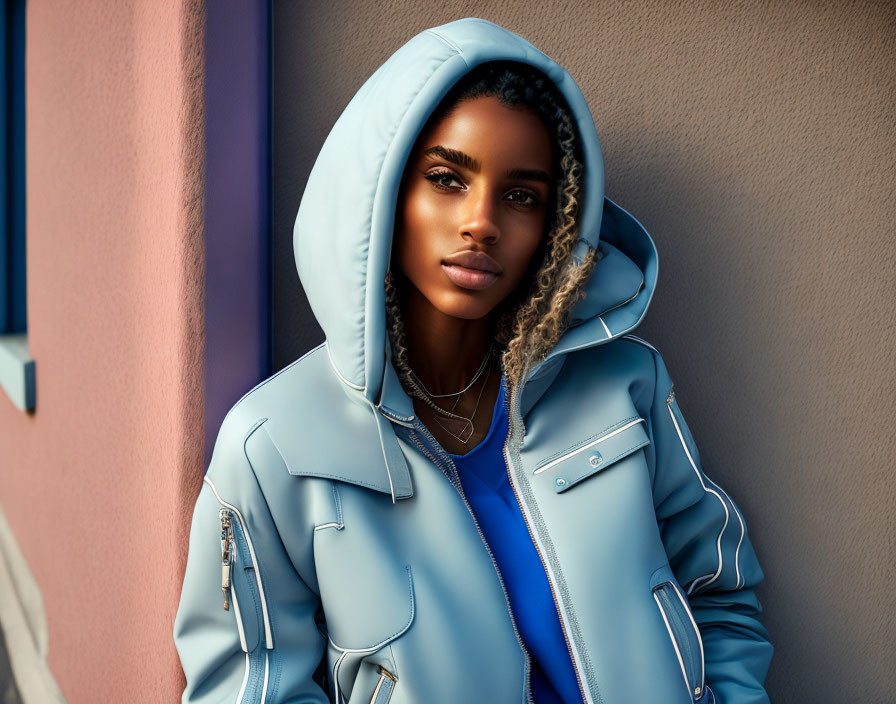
x=684, y=635
x=241, y=582
x=245, y=626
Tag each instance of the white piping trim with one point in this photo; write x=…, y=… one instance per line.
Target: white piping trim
x=264, y=687
x=743, y=530
x=590, y=444
x=644, y=342
x=687, y=610
x=339, y=697
x=363, y=650
x=239, y=697
x=382, y=448
x=691, y=587
x=338, y=526
x=388, y=639
x=684, y=674
x=239, y=618
x=269, y=640
x=700, y=479
x=609, y=334
x=571, y=349
x=344, y=380
x=271, y=378
x=337, y=504
x=446, y=41
x=377, y=690
x=740, y=578
x=628, y=300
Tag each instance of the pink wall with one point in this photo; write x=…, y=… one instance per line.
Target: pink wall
x=99, y=483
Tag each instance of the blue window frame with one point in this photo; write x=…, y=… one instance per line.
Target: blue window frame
x=16, y=365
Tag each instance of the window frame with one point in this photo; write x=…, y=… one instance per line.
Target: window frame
x=17, y=374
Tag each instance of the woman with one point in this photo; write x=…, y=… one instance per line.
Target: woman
x=480, y=488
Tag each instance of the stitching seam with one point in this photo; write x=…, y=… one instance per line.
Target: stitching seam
x=450, y=44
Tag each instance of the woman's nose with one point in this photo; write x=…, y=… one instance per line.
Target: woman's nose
x=479, y=218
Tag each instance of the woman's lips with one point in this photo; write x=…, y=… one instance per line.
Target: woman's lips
x=469, y=278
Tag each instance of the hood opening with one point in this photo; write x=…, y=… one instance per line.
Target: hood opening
x=343, y=230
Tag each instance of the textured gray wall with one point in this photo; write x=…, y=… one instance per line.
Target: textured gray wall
x=756, y=144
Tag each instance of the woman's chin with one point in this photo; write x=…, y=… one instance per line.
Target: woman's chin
x=466, y=304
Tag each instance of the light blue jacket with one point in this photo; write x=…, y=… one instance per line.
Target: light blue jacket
x=334, y=527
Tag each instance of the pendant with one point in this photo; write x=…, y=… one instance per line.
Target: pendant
x=465, y=436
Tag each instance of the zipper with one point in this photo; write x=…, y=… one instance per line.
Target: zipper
x=234, y=512
x=228, y=549
x=668, y=598
x=454, y=478
x=235, y=543
x=226, y=555
x=509, y=406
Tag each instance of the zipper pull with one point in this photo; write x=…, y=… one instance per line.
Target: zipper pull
x=226, y=532
x=383, y=671
x=671, y=397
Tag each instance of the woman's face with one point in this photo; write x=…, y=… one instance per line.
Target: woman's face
x=479, y=181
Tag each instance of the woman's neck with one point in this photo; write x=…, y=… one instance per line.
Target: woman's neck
x=443, y=351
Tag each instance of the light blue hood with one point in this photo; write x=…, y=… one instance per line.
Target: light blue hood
x=343, y=231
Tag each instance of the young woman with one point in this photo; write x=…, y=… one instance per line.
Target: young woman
x=480, y=488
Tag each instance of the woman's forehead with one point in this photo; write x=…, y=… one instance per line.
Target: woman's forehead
x=485, y=133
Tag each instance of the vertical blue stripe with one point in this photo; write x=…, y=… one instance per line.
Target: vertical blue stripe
x=12, y=181
x=5, y=121
x=16, y=77
x=237, y=217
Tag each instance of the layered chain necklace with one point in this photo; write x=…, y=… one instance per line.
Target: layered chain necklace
x=467, y=431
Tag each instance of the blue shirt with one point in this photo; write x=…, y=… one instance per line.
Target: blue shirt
x=483, y=475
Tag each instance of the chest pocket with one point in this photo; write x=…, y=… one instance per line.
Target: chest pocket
x=596, y=454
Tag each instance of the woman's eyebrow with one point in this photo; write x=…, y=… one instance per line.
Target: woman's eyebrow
x=455, y=156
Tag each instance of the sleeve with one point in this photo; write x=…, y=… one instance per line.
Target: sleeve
x=710, y=553
x=265, y=645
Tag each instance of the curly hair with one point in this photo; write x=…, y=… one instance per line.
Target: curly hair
x=528, y=323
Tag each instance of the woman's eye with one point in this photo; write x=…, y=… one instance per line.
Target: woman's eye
x=442, y=179
x=526, y=198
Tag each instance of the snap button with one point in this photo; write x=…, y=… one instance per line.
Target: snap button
x=560, y=481
x=595, y=459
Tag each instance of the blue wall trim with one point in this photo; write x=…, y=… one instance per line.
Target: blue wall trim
x=12, y=170
x=237, y=205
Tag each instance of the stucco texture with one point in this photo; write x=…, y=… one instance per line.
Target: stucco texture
x=98, y=483
x=755, y=141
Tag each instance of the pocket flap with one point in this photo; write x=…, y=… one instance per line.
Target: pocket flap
x=596, y=455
